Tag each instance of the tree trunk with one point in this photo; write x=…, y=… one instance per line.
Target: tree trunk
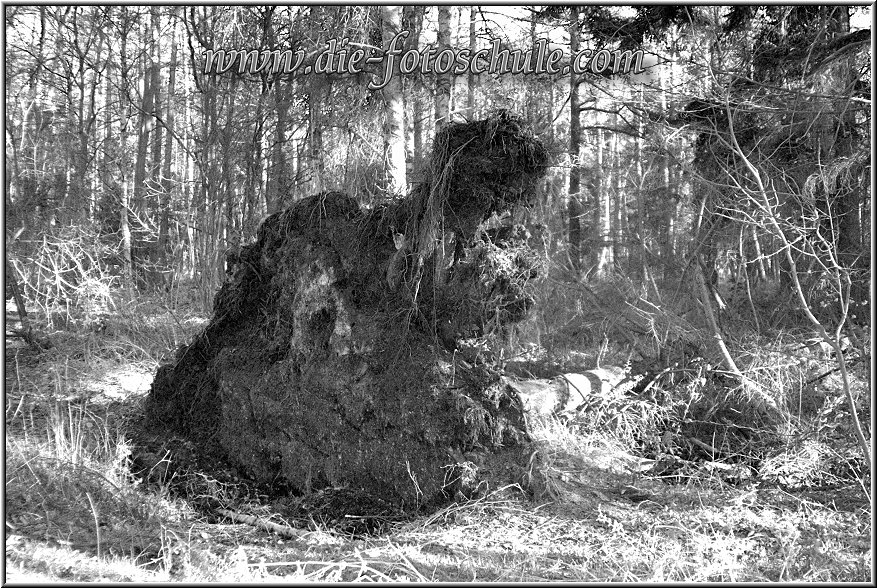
x=229, y=187
x=640, y=198
x=470, y=81
x=667, y=229
x=598, y=193
x=618, y=197
x=443, y=81
x=278, y=178
x=575, y=132
x=315, y=134
x=254, y=171
x=127, y=260
x=759, y=256
x=147, y=122
x=79, y=119
x=166, y=183
x=124, y=194
x=189, y=182
x=394, y=127
x=603, y=199
x=155, y=73
x=413, y=22
x=90, y=132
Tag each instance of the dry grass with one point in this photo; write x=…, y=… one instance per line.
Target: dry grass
x=74, y=512
x=68, y=484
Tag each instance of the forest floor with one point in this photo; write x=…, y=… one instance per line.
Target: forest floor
x=74, y=512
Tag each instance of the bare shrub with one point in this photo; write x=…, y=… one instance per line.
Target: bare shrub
x=68, y=276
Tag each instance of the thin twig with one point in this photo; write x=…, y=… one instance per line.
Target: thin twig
x=96, y=522
x=284, y=530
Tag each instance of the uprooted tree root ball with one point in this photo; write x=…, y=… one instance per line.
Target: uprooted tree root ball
x=330, y=359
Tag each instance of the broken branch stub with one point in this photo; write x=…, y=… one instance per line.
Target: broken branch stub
x=329, y=359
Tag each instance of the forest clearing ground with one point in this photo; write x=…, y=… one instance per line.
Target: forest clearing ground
x=73, y=512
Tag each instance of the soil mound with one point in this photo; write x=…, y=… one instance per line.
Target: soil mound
x=331, y=359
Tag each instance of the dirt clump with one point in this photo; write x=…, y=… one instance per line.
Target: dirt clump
x=330, y=361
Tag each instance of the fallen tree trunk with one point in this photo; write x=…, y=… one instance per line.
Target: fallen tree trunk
x=567, y=393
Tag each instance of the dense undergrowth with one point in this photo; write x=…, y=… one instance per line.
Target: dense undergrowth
x=678, y=474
